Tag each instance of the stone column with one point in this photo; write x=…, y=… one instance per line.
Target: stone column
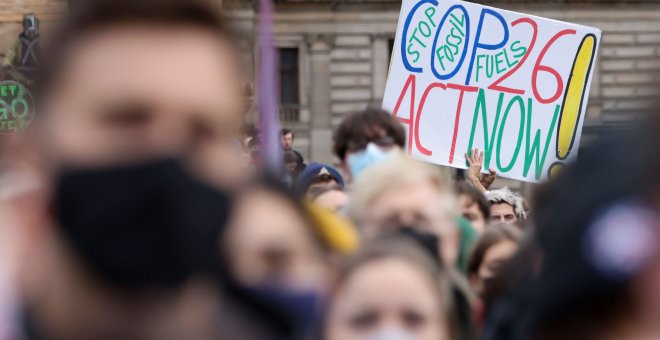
x=381, y=65
x=321, y=127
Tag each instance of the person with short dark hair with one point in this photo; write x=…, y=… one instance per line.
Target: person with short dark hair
x=474, y=206
x=287, y=137
x=367, y=138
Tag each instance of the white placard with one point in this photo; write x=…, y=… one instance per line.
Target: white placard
x=466, y=76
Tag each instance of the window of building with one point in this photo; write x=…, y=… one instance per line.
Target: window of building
x=289, y=85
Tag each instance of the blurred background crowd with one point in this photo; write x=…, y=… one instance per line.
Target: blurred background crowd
x=139, y=204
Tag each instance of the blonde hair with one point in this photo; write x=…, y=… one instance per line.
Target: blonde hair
x=392, y=175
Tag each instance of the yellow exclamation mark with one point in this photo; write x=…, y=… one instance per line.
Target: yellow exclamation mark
x=573, y=100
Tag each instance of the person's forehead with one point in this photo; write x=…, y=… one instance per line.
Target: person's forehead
x=502, y=207
x=418, y=194
x=466, y=200
x=180, y=64
x=404, y=277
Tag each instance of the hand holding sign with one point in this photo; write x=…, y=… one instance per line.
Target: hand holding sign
x=468, y=76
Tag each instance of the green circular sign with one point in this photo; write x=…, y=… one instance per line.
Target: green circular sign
x=16, y=107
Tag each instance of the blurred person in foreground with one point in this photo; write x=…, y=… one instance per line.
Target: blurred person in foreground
x=492, y=251
x=117, y=240
x=403, y=193
x=284, y=252
x=506, y=206
x=473, y=205
x=391, y=290
x=333, y=199
x=108, y=93
x=365, y=139
x=598, y=229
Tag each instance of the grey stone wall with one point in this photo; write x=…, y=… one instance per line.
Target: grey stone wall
x=626, y=83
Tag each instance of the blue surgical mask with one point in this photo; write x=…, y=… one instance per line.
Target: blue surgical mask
x=372, y=155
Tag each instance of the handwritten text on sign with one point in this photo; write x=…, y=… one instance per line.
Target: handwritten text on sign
x=467, y=76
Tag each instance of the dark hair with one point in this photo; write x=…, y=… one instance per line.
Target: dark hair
x=464, y=188
x=250, y=130
x=364, y=126
x=493, y=235
x=286, y=131
x=92, y=16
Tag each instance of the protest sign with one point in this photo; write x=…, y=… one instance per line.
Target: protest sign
x=16, y=107
x=466, y=76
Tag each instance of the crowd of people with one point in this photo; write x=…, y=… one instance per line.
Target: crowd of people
x=136, y=206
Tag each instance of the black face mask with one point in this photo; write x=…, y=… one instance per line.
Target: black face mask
x=425, y=240
x=141, y=226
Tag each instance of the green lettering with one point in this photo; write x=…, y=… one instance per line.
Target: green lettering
x=498, y=61
x=448, y=54
x=414, y=37
x=488, y=142
x=3, y=110
x=23, y=105
x=489, y=70
x=413, y=52
x=519, y=100
x=522, y=49
x=430, y=12
x=535, y=146
x=461, y=22
x=440, y=56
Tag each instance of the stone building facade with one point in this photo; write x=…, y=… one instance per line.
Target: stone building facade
x=335, y=55
x=344, y=48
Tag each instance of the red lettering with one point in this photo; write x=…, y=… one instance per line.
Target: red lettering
x=496, y=85
x=457, y=119
x=410, y=83
x=538, y=68
x=418, y=143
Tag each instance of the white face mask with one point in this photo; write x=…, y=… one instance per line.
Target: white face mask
x=391, y=334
